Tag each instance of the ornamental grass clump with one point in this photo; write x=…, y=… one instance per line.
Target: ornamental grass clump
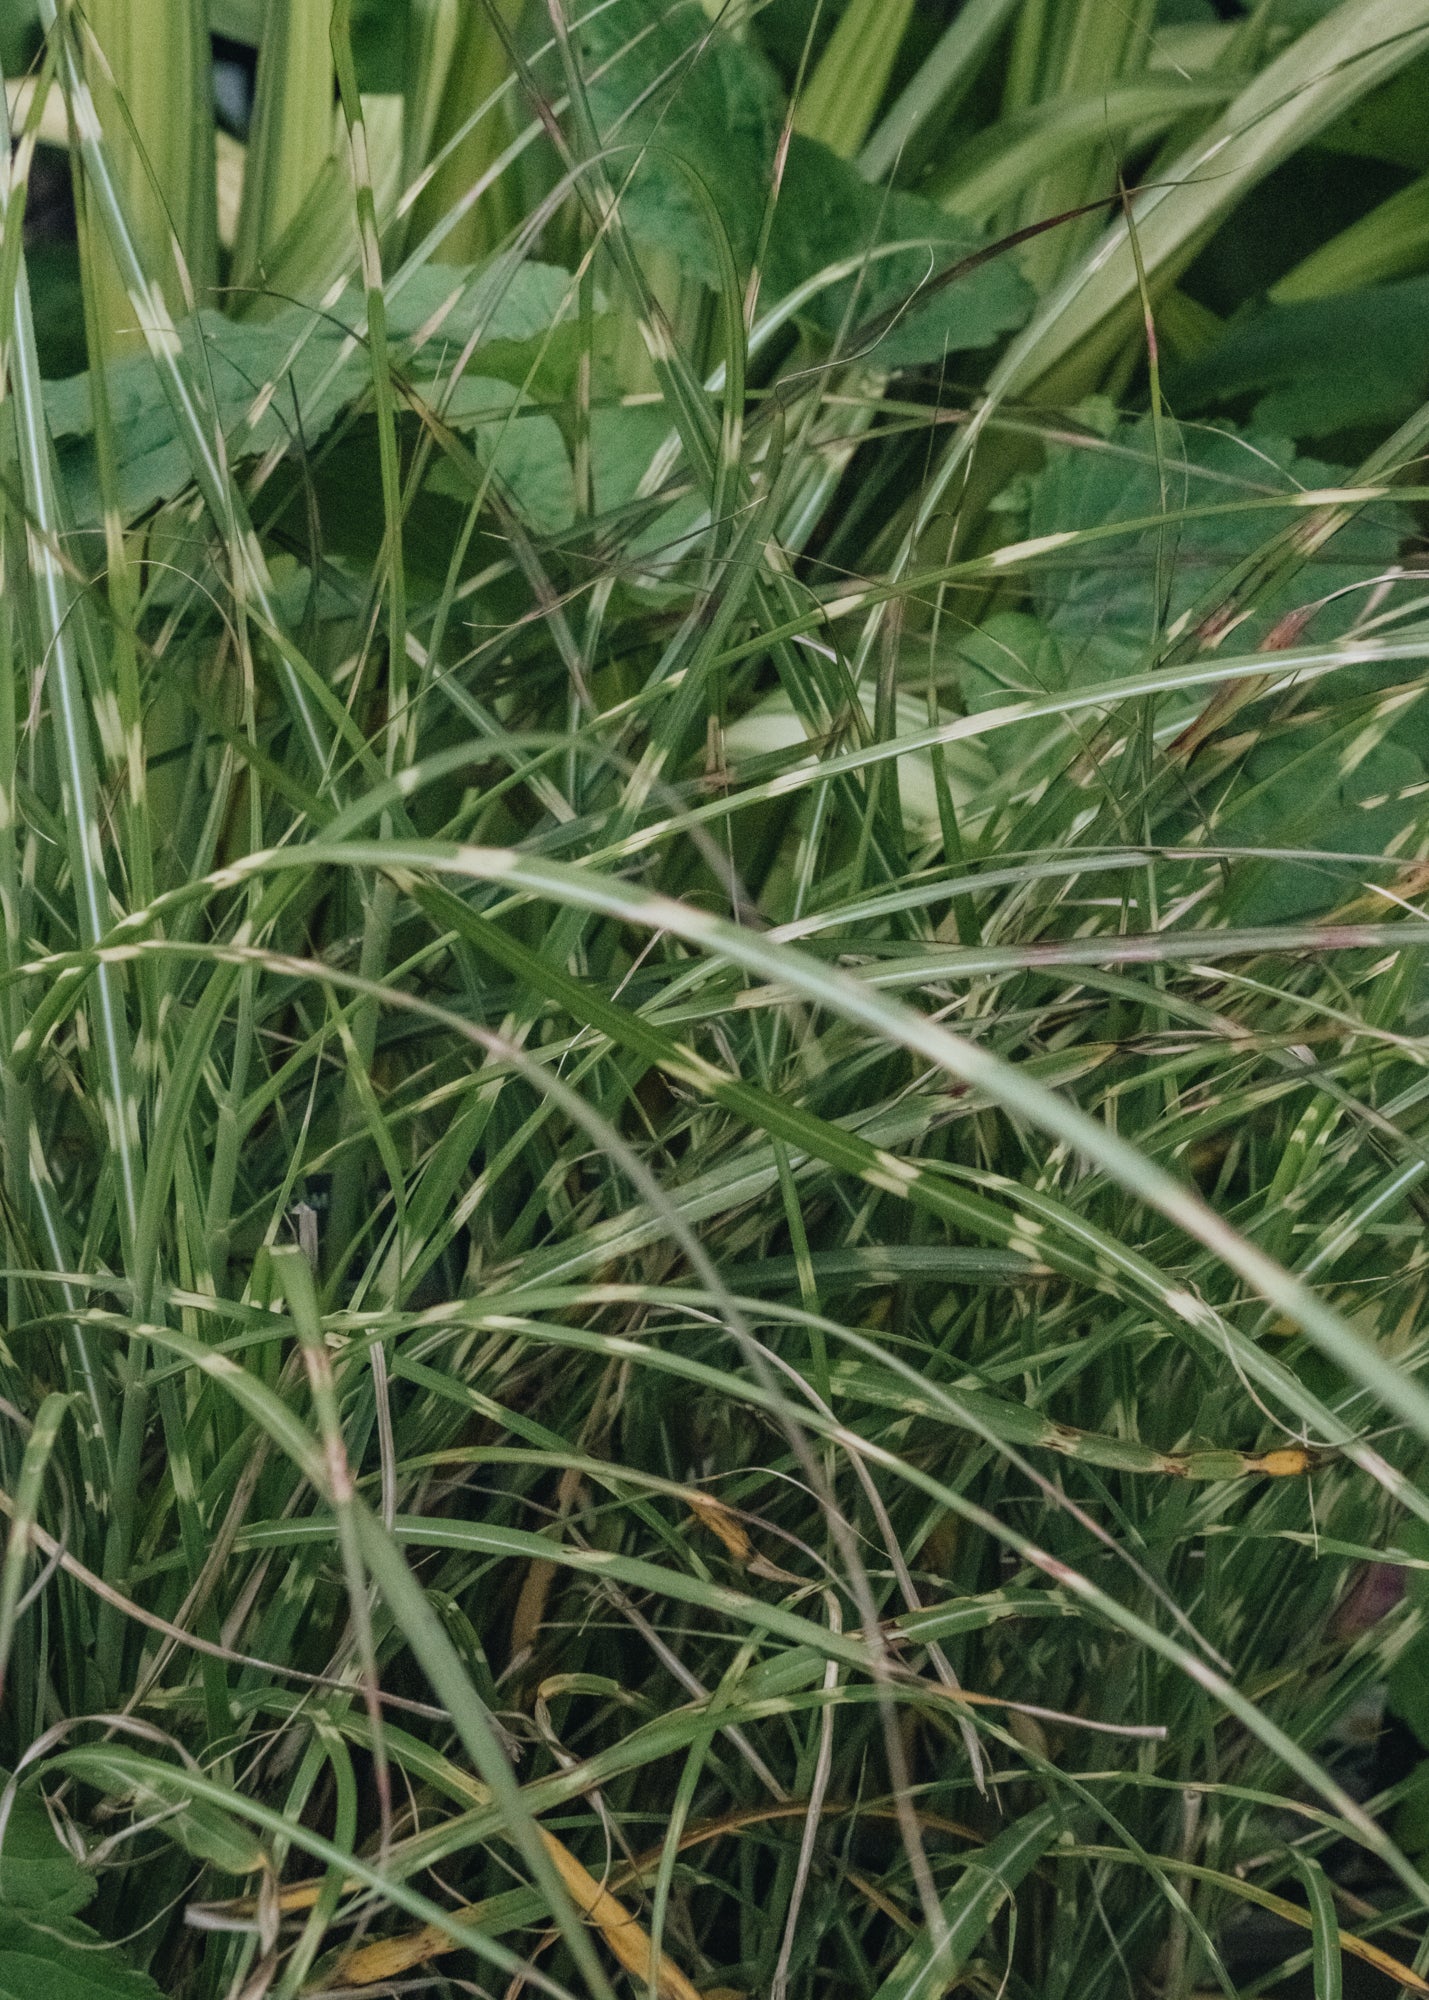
x=713, y=1004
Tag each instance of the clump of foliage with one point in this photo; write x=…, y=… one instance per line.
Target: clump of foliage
x=712, y=1013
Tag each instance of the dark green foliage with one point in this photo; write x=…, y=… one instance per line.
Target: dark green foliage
x=679, y=99
x=45, y=1953
x=1334, y=364
x=1112, y=594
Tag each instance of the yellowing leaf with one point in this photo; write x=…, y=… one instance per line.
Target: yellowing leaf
x=721, y=1521
x=622, y=1931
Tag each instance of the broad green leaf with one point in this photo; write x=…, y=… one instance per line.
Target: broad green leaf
x=665, y=79
x=1014, y=654
x=62, y=1959
x=827, y=212
x=624, y=438
x=1314, y=783
x=664, y=86
x=989, y=1876
x=36, y=1871
x=1098, y=599
x=523, y=447
x=290, y=376
x=1319, y=366
x=439, y=307
x=1313, y=787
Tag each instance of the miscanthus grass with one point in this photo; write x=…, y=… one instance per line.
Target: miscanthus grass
x=712, y=1018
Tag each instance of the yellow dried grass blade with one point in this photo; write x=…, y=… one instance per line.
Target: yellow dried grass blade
x=625, y=1937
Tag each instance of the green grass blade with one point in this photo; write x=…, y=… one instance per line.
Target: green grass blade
x=39, y=1448
x=939, y=85
x=1326, y=1963
x=290, y=138
x=841, y=98
x=152, y=56
x=987, y=1880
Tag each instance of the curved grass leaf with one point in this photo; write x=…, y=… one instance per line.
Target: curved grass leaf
x=988, y=1879
x=1326, y=1960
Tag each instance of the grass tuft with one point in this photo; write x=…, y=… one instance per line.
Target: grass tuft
x=712, y=1001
